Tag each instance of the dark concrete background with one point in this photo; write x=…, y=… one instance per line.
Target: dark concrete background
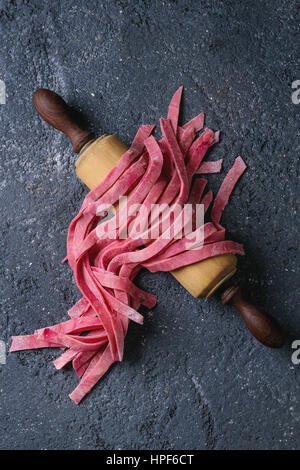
x=193, y=377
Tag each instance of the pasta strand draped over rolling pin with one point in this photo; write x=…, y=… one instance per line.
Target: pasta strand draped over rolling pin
x=156, y=172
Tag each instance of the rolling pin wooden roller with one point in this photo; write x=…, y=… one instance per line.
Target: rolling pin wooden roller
x=97, y=157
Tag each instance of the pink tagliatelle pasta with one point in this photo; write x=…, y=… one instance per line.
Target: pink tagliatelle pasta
x=164, y=173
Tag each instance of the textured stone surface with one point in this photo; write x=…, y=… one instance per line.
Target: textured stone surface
x=192, y=378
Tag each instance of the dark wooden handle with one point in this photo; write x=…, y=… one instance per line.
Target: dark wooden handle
x=55, y=111
x=264, y=328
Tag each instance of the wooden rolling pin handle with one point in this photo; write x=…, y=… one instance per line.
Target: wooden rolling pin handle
x=55, y=111
x=264, y=328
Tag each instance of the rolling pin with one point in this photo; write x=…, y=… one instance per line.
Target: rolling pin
x=97, y=157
